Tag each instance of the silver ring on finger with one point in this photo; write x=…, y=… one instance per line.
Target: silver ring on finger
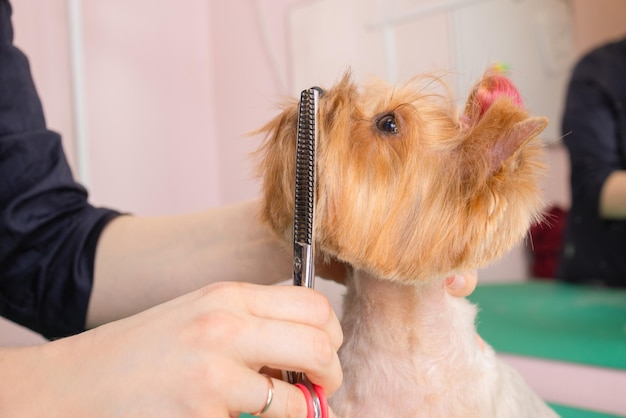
x=268, y=400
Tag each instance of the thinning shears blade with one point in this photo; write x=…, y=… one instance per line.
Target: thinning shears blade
x=304, y=226
x=304, y=199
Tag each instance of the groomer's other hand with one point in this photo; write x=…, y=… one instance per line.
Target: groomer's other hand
x=197, y=355
x=462, y=285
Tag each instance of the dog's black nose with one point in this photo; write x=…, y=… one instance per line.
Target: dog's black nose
x=319, y=89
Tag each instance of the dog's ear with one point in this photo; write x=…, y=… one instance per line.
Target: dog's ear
x=506, y=146
x=499, y=134
x=495, y=122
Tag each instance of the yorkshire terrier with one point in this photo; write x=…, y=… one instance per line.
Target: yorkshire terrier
x=410, y=192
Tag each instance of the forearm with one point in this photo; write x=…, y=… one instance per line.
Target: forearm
x=141, y=261
x=613, y=196
x=24, y=392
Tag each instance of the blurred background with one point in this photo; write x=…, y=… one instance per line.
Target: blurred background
x=154, y=98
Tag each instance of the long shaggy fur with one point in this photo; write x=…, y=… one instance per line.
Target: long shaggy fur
x=441, y=193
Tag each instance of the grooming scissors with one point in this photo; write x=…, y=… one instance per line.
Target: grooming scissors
x=303, y=229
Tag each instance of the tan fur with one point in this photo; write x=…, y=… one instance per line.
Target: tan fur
x=406, y=210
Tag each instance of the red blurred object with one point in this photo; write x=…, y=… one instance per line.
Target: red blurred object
x=546, y=241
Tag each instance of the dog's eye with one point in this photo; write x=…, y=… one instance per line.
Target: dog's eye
x=387, y=124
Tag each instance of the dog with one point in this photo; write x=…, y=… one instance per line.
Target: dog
x=410, y=190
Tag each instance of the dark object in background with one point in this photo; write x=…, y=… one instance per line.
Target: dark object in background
x=546, y=240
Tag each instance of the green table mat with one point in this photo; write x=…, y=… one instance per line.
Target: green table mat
x=570, y=412
x=555, y=321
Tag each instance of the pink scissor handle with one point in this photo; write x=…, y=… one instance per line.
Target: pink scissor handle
x=321, y=396
x=312, y=392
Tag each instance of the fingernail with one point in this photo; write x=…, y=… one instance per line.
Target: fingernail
x=457, y=282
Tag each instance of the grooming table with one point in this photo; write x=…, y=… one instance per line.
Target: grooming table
x=568, y=341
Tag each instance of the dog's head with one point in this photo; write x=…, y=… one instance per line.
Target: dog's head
x=406, y=188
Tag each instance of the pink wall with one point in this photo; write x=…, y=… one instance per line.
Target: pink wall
x=246, y=86
x=150, y=105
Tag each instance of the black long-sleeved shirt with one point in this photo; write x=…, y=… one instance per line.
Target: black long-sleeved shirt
x=594, y=129
x=48, y=230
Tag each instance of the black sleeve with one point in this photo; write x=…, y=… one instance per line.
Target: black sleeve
x=48, y=230
x=590, y=133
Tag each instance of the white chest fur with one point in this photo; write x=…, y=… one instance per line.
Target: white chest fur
x=412, y=351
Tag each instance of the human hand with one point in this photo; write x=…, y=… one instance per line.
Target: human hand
x=197, y=355
x=462, y=285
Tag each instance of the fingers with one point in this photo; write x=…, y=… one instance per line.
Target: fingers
x=266, y=396
x=289, y=346
x=280, y=327
x=286, y=399
x=290, y=402
x=269, y=397
x=283, y=303
x=462, y=285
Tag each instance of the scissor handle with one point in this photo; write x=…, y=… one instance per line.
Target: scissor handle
x=316, y=401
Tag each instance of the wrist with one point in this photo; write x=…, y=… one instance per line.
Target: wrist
x=42, y=380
